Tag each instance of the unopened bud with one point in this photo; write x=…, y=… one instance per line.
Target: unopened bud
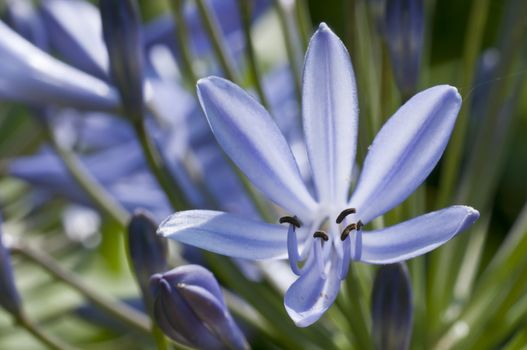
x=392, y=307
x=189, y=307
x=122, y=34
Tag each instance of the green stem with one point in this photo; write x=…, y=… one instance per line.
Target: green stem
x=158, y=167
x=100, y=197
x=159, y=337
x=485, y=158
x=289, y=47
x=115, y=308
x=46, y=339
x=304, y=21
x=245, y=10
x=214, y=32
x=182, y=35
x=473, y=39
x=357, y=315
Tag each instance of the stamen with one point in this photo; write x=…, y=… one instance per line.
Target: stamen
x=321, y=234
x=293, y=220
x=359, y=225
x=346, y=257
x=292, y=250
x=345, y=213
x=347, y=230
x=319, y=259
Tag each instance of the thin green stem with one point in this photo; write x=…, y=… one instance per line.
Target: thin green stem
x=46, y=339
x=214, y=32
x=182, y=35
x=159, y=337
x=100, y=197
x=158, y=167
x=290, y=49
x=304, y=21
x=114, y=308
x=357, y=315
x=245, y=10
x=473, y=39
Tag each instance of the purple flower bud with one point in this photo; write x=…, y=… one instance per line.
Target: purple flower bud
x=403, y=31
x=122, y=34
x=148, y=252
x=9, y=298
x=189, y=307
x=392, y=307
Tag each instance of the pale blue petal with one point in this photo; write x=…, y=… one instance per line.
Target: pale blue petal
x=251, y=138
x=311, y=295
x=417, y=236
x=405, y=151
x=30, y=75
x=330, y=114
x=226, y=234
x=76, y=32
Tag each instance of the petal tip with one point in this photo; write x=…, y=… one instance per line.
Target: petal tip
x=301, y=320
x=323, y=26
x=450, y=92
x=323, y=29
x=472, y=215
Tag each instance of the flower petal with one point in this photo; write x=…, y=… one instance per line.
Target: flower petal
x=250, y=137
x=330, y=111
x=76, y=32
x=311, y=295
x=417, y=236
x=226, y=234
x=214, y=314
x=405, y=151
x=30, y=75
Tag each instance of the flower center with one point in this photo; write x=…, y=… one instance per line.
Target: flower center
x=320, y=239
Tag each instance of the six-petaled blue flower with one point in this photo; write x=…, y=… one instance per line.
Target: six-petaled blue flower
x=323, y=231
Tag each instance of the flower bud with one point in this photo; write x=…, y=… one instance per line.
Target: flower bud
x=189, y=307
x=392, y=307
x=403, y=32
x=148, y=252
x=9, y=298
x=122, y=35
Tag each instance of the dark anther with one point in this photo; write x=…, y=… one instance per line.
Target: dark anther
x=347, y=230
x=345, y=213
x=293, y=220
x=359, y=225
x=321, y=234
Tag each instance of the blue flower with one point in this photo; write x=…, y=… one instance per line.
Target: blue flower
x=325, y=231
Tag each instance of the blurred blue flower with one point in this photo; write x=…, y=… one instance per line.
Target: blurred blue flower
x=325, y=233
x=189, y=307
x=24, y=18
x=30, y=75
x=9, y=298
x=161, y=31
x=75, y=31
